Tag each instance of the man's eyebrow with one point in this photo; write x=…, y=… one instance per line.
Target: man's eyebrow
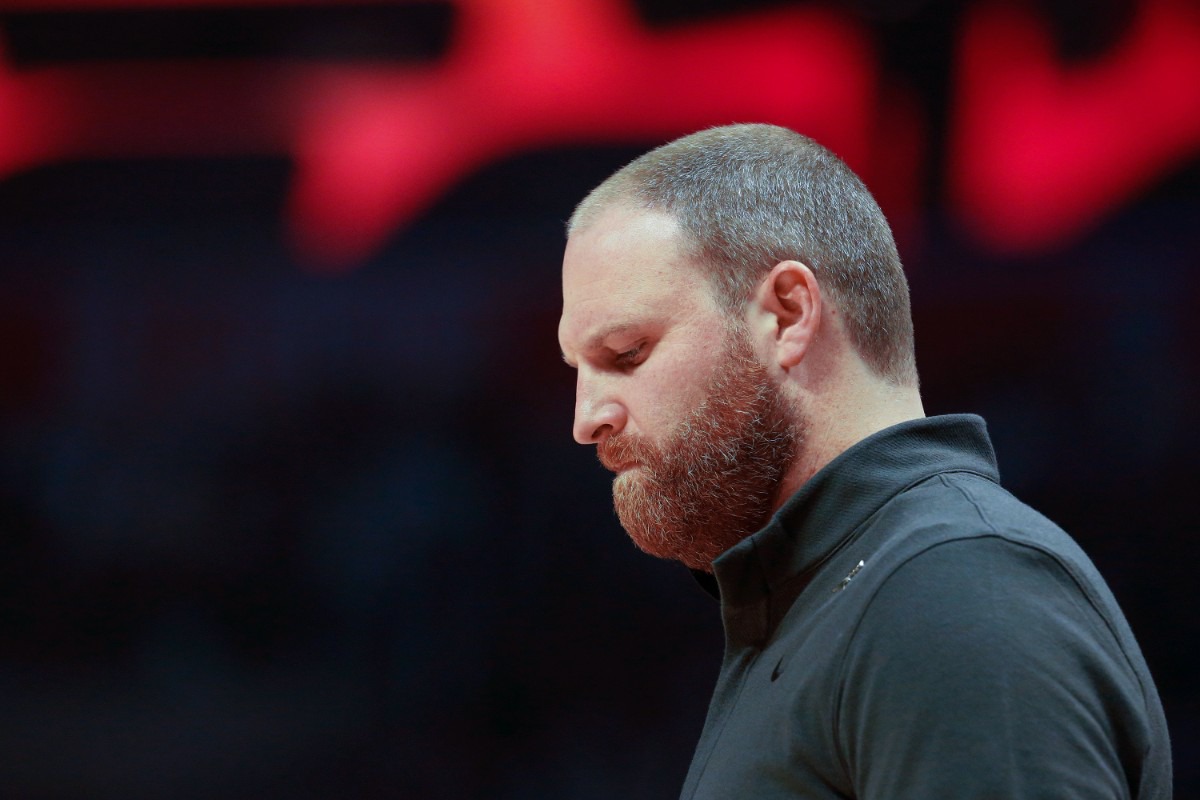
x=596, y=340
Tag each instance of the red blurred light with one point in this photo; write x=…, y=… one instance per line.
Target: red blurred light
x=1040, y=150
x=376, y=145
x=526, y=75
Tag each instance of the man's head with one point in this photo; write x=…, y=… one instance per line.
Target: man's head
x=708, y=297
x=750, y=196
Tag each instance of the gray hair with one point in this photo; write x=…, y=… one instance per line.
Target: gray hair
x=750, y=196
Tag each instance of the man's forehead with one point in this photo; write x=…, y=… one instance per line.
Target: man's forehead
x=623, y=270
x=600, y=318
x=621, y=226
x=622, y=250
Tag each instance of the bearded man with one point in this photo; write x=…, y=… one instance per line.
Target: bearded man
x=897, y=625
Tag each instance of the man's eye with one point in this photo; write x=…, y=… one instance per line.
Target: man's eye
x=630, y=357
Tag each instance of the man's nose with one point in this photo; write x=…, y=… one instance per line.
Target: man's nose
x=597, y=414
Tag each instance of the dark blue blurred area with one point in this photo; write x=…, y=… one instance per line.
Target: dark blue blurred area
x=272, y=534
x=267, y=533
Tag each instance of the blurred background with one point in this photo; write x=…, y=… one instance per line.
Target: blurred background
x=289, y=501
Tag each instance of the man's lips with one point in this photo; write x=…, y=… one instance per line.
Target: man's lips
x=618, y=455
x=617, y=466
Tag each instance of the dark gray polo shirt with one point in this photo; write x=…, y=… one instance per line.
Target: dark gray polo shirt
x=905, y=628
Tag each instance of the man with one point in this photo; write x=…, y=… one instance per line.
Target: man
x=897, y=625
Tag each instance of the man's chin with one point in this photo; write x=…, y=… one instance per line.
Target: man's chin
x=655, y=545
x=691, y=556
x=625, y=478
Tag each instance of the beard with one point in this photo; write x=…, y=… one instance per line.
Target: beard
x=715, y=479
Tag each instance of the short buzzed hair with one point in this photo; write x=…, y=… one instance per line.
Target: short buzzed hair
x=750, y=196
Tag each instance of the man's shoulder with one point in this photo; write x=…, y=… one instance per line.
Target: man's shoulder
x=959, y=531
x=959, y=552
x=995, y=644
x=965, y=507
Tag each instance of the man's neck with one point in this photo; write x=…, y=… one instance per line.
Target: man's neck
x=837, y=423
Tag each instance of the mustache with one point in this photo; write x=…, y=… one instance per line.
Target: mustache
x=622, y=451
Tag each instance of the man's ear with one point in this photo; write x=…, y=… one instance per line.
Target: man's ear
x=791, y=298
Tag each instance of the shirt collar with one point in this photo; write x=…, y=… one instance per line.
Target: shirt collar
x=830, y=508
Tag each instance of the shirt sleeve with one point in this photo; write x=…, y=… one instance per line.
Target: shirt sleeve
x=981, y=669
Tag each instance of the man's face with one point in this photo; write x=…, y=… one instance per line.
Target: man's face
x=670, y=391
